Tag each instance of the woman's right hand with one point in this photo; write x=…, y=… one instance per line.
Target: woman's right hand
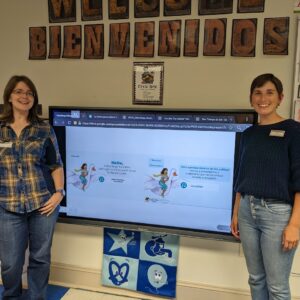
x=235, y=227
x=234, y=222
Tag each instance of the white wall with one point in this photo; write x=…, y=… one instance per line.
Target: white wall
x=203, y=82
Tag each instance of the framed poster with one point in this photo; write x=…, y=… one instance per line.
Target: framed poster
x=148, y=83
x=297, y=109
x=297, y=6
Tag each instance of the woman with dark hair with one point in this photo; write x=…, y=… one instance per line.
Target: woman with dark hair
x=31, y=188
x=164, y=177
x=266, y=213
x=83, y=175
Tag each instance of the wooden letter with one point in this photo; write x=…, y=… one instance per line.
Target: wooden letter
x=38, y=43
x=55, y=42
x=91, y=10
x=72, y=41
x=62, y=11
x=250, y=6
x=169, y=38
x=119, y=40
x=118, y=9
x=144, y=39
x=214, y=37
x=94, y=41
x=243, y=37
x=276, y=36
x=191, y=38
x=214, y=7
x=177, y=7
x=146, y=8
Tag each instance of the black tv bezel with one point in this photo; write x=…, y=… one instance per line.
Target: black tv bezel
x=189, y=232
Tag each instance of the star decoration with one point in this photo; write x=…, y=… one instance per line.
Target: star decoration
x=121, y=240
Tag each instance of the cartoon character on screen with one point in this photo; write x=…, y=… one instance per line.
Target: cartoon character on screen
x=83, y=174
x=164, y=177
x=85, y=177
x=165, y=183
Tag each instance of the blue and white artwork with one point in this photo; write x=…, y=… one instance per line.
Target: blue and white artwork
x=145, y=262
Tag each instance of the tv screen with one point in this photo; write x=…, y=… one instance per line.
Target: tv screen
x=167, y=170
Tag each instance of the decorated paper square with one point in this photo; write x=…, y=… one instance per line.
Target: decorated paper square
x=145, y=262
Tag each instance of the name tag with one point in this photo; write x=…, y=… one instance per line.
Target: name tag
x=277, y=133
x=6, y=144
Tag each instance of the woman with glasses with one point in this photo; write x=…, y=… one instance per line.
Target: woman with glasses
x=266, y=214
x=31, y=188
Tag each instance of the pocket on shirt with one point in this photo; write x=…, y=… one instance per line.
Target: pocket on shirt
x=34, y=146
x=4, y=151
x=279, y=208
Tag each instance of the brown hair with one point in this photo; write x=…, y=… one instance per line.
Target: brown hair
x=260, y=80
x=7, y=114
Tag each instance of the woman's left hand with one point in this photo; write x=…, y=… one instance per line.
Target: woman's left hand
x=49, y=207
x=290, y=237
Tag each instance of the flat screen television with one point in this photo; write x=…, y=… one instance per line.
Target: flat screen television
x=163, y=170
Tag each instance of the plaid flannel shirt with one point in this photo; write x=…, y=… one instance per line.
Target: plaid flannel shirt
x=26, y=164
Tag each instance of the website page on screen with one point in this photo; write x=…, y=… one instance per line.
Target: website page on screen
x=167, y=170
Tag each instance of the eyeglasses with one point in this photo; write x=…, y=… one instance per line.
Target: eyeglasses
x=21, y=92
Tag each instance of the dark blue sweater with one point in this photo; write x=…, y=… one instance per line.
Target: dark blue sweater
x=269, y=162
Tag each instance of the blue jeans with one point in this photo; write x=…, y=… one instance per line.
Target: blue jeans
x=261, y=224
x=17, y=231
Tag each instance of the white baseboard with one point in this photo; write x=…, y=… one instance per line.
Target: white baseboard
x=90, y=279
